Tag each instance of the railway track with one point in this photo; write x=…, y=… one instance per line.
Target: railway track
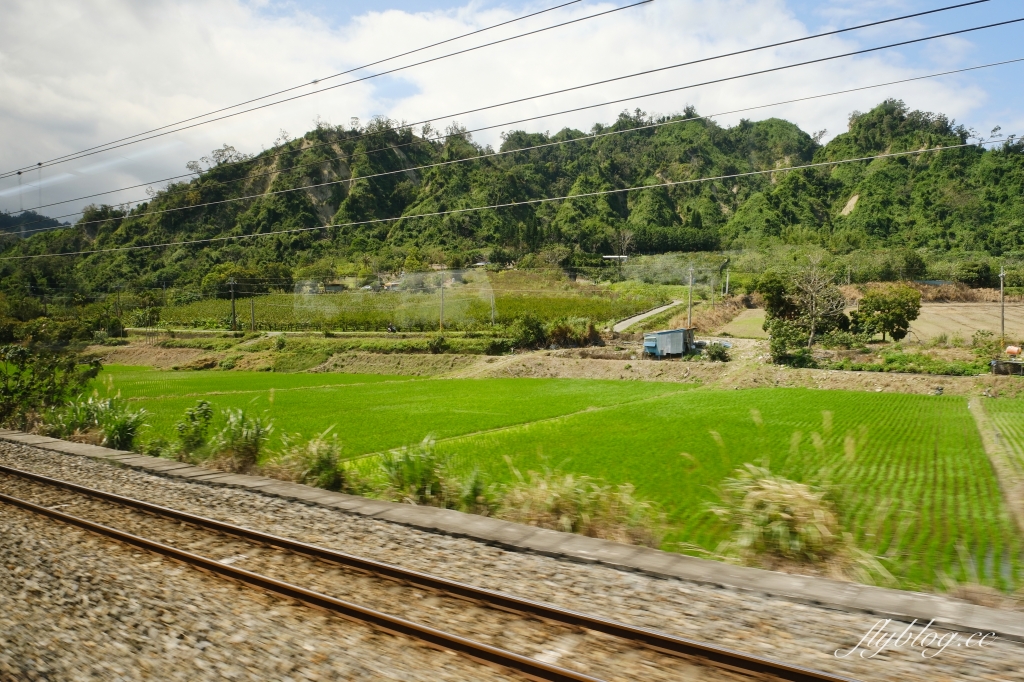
x=553, y=643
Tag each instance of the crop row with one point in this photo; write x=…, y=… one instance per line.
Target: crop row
x=370, y=311
x=914, y=485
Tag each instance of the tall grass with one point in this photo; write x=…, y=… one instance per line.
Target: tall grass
x=238, y=445
x=107, y=420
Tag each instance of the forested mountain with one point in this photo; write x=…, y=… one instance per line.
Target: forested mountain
x=29, y=220
x=965, y=199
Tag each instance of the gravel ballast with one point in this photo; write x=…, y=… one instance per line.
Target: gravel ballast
x=794, y=632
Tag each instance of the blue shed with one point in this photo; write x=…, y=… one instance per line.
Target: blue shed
x=669, y=342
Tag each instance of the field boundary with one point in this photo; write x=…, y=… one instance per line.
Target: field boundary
x=879, y=602
x=521, y=425
x=1011, y=485
x=276, y=390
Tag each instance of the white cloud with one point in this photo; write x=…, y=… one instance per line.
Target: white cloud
x=73, y=75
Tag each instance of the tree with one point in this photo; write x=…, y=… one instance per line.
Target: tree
x=776, y=291
x=889, y=309
x=35, y=376
x=818, y=299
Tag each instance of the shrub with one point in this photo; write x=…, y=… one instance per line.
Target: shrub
x=527, y=331
x=280, y=342
x=33, y=378
x=237, y=447
x=437, y=344
x=777, y=517
x=418, y=475
x=985, y=344
x=498, y=347
x=716, y=352
x=783, y=336
x=111, y=419
x=316, y=462
x=580, y=504
x=119, y=425
x=572, y=331
x=840, y=339
x=192, y=429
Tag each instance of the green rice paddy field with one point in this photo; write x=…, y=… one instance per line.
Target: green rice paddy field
x=915, y=485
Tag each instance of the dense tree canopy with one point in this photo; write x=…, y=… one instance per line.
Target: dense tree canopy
x=964, y=199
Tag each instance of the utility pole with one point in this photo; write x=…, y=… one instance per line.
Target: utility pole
x=727, y=282
x=492, y=308
x=120, y=322
x=233, y=318
x=252, y=313
x=689, y=303
x=1002, y=309
x=440, y=325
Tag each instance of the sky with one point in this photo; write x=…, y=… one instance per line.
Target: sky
x=81, y=73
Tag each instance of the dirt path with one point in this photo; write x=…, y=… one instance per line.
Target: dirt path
x=630, y=321
x=1010, y=482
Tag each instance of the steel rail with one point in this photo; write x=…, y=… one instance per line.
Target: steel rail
x=482, y=652
x=653, y=639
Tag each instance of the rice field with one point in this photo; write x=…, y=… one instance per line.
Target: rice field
x=913, y=480
x=370, y=413
x=1007, y=416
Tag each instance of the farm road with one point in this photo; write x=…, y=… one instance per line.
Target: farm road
x=630, y=321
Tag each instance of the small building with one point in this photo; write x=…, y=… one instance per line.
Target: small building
x=1008, y=367
x=669, y=342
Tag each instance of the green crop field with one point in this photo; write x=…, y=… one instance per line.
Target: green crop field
x=369, y=412
x=916, y=485
x=917, y=482
x=1008, y=417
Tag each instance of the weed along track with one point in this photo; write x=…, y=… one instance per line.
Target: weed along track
x=534, y=639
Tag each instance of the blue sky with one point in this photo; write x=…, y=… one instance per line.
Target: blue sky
x=166, y=60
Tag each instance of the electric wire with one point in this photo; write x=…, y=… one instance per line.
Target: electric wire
x=80, y=155
x=437, y=118
x=317, y=80
x=513, y=204
x=489, y=155
x=500, y=125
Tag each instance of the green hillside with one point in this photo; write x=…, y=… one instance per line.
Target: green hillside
x=964, y=200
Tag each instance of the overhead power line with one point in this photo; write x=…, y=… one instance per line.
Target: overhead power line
x=143, y=137
x=512, y=204
x=314, y=81
x=437, y=118
x=583, y=138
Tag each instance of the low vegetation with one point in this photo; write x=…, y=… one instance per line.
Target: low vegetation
x=779, y=524
x=110, y=422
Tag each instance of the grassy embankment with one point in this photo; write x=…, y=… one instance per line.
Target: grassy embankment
x=915, y=485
